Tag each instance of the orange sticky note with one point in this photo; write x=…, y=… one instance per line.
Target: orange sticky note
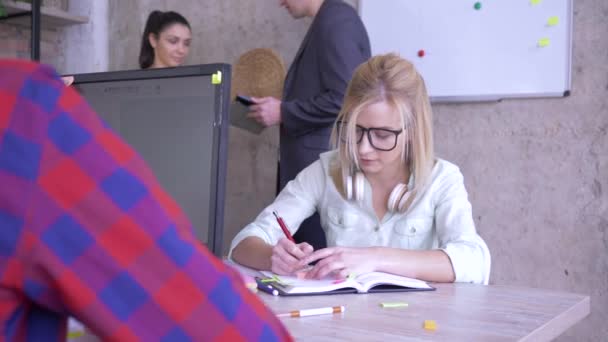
x=430, y=325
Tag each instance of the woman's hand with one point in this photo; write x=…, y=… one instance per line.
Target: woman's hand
x=287, y=257
x=341, y=262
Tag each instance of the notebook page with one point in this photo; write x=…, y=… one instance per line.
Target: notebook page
x=371, y=279
x=295, y=285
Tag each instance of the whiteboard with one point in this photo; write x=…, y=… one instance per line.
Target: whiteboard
x=504, y=49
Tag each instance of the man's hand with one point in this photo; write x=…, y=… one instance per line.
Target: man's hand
x=266, y=110
x=68, y=80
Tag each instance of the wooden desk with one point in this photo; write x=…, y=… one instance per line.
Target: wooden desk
x=462, y=312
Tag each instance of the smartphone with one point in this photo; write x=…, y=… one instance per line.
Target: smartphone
x=246, y=100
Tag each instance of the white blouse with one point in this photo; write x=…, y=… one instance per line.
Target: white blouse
x=439, y=218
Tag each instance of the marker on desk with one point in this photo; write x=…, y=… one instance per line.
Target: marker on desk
x=283, y=227
x=313, y=312
x=264, y=287
x=393, y=305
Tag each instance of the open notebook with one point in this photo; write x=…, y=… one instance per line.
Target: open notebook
x=364, y=283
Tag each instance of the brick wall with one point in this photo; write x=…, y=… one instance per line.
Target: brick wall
x=15, y=39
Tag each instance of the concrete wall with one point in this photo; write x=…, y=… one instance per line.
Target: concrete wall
x=537, y=173
x=221, y=30
x=536, y=170
x=86, y=45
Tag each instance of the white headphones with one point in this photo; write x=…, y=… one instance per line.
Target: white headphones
x=354, y=186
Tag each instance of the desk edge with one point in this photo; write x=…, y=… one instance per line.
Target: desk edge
x=560, y=324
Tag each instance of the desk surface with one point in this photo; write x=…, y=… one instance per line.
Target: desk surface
x=461, y=311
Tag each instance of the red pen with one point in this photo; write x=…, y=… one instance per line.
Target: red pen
x=283, y=227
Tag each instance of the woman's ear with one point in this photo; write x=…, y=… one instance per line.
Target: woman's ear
x=153, y=40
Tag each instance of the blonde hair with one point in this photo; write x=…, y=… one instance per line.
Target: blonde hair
x=393, y=80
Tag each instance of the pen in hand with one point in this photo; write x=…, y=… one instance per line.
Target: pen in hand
x=283, y=227
x=302, y=273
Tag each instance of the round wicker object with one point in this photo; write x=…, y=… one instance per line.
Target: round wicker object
x=258, y=72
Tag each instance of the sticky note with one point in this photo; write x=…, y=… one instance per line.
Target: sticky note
x=268, y=280
x=216, y=78
x=544, y=42
x=75, y=329
x=75, y=334
x=430, y=325
x=552, y=21
x=535, y=2
x=394, y=305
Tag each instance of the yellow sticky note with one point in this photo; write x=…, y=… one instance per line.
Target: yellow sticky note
x=430, y=325
x=552, y=21
x=75, y=334
x=216, y=78
x=535, y=2
x=544, y=42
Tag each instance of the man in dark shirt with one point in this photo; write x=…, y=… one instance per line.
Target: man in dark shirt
x=335, y=44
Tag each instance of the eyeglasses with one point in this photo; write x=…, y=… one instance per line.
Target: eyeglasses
x=382, y=139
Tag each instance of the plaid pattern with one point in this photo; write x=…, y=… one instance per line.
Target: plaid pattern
x=86, y=231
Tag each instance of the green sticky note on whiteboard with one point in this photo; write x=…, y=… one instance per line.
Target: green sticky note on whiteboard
x=554, y=20
x=544, y=42
x=535, y=2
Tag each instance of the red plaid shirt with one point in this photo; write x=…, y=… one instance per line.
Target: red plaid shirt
x=86, y=231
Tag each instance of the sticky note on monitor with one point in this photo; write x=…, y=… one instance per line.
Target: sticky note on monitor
x=216, y=78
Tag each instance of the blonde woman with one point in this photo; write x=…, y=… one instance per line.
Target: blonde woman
x=386, y=202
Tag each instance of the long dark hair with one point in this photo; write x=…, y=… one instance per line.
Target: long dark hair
x=156, y=23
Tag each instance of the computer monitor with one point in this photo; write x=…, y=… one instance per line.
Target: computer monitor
x=177, y=119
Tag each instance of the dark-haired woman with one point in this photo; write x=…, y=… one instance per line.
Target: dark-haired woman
x=166, y=40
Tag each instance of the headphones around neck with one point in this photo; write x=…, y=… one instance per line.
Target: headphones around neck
x=398, y=200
